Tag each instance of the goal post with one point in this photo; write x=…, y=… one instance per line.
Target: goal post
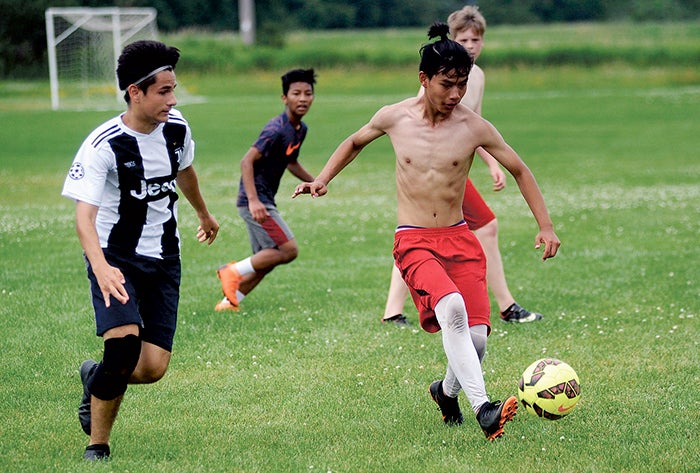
x=83, y=47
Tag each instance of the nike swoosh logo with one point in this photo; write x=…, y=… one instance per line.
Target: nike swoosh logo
x=563, y=409
x=291, y=148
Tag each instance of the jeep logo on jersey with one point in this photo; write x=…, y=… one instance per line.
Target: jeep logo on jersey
x=154, y=189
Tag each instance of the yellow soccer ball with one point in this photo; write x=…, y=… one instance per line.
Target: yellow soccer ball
x=549, y=388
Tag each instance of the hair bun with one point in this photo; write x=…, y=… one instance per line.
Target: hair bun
x=438, y=29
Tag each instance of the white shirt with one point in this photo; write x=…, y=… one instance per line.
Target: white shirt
x=131, y=177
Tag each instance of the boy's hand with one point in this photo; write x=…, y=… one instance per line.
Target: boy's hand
x=258, y=211
x=111, y=282
x=207, y=230
x=315, y=188
x=551, y=243
x=498, y=177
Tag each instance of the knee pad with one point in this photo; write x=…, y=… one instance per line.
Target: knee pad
x=118, y=362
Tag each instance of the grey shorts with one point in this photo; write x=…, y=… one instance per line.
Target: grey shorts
x=272, y=233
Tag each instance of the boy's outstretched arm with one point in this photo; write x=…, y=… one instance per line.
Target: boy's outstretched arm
x=527, y=184
x=341, y=157
x=344, y=154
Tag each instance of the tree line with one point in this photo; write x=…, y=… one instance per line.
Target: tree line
x=23, y=32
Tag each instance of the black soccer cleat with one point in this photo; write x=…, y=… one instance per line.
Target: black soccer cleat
x=492, y=416
x=97, y=452
x=398, y=319
x=518, y=314
x=87, y=368
x=449, y=406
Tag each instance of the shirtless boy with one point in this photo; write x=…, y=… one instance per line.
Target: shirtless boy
x=434, y=138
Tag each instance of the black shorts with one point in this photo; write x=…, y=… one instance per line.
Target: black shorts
x=153, y=286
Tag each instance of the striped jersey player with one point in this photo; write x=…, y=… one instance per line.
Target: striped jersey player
x=124, y=180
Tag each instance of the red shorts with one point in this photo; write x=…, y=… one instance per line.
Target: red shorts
x=476, y=212
x=435, y=262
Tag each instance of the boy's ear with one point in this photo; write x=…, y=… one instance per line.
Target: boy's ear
x=134, y=92
x=423, y=78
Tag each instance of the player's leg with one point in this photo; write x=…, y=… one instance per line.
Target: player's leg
x=463, y=361
x=138, y=337
x=265, y=261
x=158, y=306
x=273, y=244
x=467, y=269
x=152, y=365
x=495, y=275
x=118, y=325
x=108, y=383
x=431, y=285
x=462, y=358
x=396, y=298
x=104, y=414
x=482, y=221
x=479, y=336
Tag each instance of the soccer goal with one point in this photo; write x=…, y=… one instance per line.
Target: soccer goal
x=83, y=46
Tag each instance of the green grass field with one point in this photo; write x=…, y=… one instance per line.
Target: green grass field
x=305, y=378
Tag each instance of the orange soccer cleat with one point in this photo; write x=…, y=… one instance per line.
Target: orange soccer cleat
x=225, y=304
x=230, y=279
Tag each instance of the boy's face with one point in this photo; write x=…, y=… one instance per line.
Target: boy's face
x=444, y=90
x=299, y=98
x=471, y=41
x=155, y=105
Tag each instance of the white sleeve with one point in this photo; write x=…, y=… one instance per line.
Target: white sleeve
x=188, y=155
x=87, y=175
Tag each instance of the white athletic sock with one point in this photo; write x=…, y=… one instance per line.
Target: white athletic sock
x=462, y=358
x=245, y=267
x=239, y=297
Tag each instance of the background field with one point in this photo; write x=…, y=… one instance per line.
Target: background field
x=305, y=378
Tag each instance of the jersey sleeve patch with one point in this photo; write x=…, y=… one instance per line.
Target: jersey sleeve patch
x=76, y=171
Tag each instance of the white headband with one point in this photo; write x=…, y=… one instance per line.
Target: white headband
x=152, y=73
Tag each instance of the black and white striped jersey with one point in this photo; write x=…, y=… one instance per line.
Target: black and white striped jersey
x=131, y=177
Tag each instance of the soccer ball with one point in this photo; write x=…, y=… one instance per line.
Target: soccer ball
x=549, y=388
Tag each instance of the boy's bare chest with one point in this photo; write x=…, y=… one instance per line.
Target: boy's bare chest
x=434, y=146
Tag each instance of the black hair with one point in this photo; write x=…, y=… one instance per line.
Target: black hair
x=140, y=59
x=444, y=55
x=298, y=75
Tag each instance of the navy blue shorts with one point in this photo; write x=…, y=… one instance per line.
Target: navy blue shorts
x=153, y=286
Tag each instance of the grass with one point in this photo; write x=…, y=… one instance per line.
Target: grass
x=305, y=378
x=585, y=44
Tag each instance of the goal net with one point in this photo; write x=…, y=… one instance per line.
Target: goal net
x=83, y=46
